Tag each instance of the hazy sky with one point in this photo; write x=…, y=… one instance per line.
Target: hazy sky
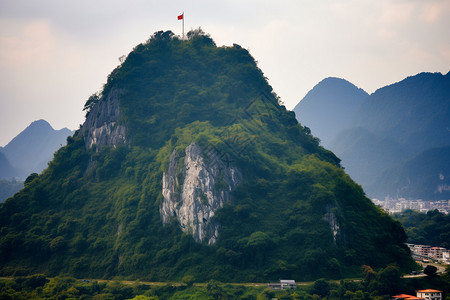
x=55, y=53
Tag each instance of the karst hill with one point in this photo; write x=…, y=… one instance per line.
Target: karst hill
x=188, y=165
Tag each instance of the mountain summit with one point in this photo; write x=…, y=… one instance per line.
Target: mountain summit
x=330, y=107
x=187, y=165
x=33, y=148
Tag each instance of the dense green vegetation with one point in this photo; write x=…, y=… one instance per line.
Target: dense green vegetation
x=95, y=214
x=38, y=287
x=374, y=285
x=431, y=228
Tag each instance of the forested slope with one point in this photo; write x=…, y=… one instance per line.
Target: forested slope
x=288, y=210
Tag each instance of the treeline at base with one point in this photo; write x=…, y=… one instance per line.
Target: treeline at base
x=379, y=284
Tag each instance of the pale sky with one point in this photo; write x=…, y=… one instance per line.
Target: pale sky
x=55, y=53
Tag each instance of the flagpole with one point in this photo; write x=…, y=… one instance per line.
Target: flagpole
x=183, y=24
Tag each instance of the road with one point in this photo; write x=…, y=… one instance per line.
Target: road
x=440, y=270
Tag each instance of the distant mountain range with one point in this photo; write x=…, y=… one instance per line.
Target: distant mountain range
x=29, y=152
x=6, y=170
x=9, y=187
x=32, y=149
x=393, y=142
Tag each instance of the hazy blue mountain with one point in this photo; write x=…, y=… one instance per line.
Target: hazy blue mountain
x=9, y=187
x=383, y=137
x=426, y=176
x=409, y=117
x=329, y=107
x=33, y=148
x=364, y=153
x=415, y=112
x=6, y=170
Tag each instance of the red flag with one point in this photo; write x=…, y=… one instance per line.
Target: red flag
x=180, y=17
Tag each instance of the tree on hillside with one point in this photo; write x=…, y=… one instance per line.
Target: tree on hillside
x=430, y=270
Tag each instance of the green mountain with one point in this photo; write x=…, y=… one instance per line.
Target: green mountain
x=431, y=228
x=187, y=165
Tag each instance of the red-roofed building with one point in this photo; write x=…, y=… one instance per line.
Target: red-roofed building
x=430, y=294
x=406, y=297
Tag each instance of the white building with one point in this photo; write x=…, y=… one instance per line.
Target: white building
x=283, y=285
x=429, y=294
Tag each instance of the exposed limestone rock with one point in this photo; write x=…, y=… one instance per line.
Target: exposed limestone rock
x=195, y=185
x=101, y=126
x=330, y=217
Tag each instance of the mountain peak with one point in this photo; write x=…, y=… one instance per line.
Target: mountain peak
x=32, y=148
x=199, y=171
x=382, y=145
x=329, y=107
x=338, y=86
x=40, y=123
x=421, y=82
x=336, y=81
x=157, y=84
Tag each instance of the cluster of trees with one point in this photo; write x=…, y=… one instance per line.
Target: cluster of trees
x=40, y=287
x=379, y=285
x=430, y=228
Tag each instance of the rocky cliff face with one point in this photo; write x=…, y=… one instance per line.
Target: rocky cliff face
x=101, y=127
x=330, y=217
x=195, y=185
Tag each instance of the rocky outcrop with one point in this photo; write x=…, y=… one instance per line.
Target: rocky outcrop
x=195, y=185
x=101, y=127
x=330, y=217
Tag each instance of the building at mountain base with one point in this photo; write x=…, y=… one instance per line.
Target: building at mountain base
x=428, y=294
x=282, y=285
